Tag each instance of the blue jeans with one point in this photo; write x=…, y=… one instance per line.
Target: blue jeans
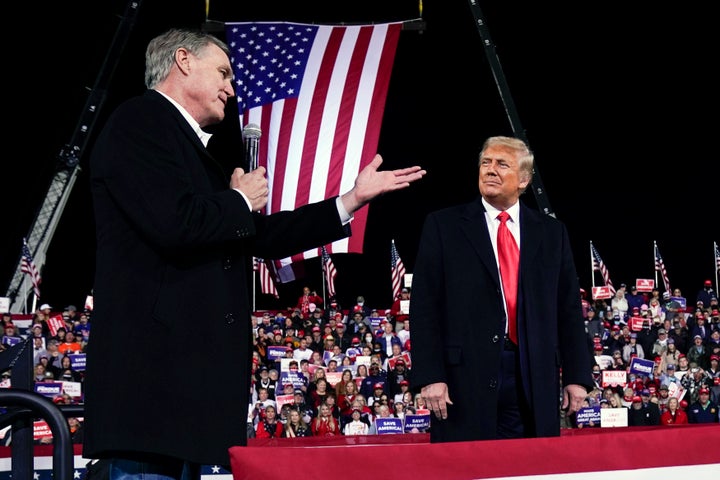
x=124, y=469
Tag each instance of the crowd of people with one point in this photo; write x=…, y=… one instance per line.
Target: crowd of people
x=321, y=370
x=679, y=336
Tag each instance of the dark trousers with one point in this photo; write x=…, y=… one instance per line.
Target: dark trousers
x=513, y=413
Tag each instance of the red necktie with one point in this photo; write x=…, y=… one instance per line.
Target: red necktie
x=508, y=257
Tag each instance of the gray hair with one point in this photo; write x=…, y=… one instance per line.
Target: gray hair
x=160, y=53
x=525, y=156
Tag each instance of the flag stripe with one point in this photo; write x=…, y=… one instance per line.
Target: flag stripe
x=318, y=92
x=329, y=271
x=27, y=265
x=599, y=265
x=397, y=268
x=660, y=267
x=267, y=284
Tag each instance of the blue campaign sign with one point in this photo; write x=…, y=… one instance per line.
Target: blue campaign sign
x=49, y=389
x=296, y=378
x=641, y=366
x=77, y=361
x=589, y=414
x=276, y=352
x=11, y=340
x=421, y=422
x=388, y=425
x=681, y=300
x=375, y=322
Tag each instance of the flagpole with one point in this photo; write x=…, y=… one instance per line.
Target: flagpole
x=254, y=259
x=322, y=280
x=25, y=296
x=717, y=264
x=655, y=263
x=592, y=266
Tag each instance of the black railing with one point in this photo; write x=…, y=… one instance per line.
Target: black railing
x=22, y=406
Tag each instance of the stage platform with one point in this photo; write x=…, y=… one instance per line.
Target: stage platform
x=634, y=453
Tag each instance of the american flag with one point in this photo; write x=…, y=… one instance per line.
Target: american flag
x=398, y=270
x=267, y=284
x=318, y=94
x=717, y=257
x=599, y=266
x=27, y=265
x=329, y=271
x=660, y=267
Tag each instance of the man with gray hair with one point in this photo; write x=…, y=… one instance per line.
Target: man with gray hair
x=176, y=232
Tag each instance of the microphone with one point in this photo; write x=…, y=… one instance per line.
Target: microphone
x=251, y=135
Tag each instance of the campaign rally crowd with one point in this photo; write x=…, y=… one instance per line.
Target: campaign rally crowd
x=321, y=370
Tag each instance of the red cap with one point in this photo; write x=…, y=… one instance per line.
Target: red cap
x=708, y=283
x=636, y=399
x=704, y=391
x=377, y=385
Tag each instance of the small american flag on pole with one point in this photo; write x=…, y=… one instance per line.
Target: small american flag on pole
x=329, y=271
x=397, y=269
x=599, y=265
x=318, y=94
x=27, y=265
x=660, y=267
x=717, y=257
x=267, y=284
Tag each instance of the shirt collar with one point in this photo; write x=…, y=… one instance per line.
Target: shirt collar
x=513, y=211
x=202, y=135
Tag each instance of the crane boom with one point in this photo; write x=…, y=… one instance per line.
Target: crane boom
x=68, y=166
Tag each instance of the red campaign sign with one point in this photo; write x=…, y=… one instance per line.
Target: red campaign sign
x=601, y=293
x=636, y=323
x=405, y=356
x=614, y=378
x=645, y=284
x=41, y=429
x=55, y=322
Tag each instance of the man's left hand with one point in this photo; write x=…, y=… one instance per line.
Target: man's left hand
x=573, y=397
x=370, y=183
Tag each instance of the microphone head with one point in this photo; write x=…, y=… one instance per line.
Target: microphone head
x=251, y=130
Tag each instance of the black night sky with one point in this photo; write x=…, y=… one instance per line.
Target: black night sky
x=615, y=100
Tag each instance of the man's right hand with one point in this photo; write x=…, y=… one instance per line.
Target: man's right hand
x=253, y=185
x=437, y=398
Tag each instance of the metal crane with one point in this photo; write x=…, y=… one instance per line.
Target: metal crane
x=68, y=166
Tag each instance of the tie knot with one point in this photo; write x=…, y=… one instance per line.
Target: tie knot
x=503, y=217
